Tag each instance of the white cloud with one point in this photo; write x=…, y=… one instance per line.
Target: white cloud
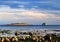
x=16, y=2
x=21, y=6
x=20, y=14
x=5, y=8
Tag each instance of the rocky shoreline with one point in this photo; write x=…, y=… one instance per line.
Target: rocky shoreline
x=31, y=36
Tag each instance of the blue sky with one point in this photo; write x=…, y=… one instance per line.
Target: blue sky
x=30, y=11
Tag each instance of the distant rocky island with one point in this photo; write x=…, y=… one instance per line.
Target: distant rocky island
x=18, y=24
x=43, y=24
x=23, y=24
x=26, y=24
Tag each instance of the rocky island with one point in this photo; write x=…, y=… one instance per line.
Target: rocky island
x=18, y=24
x=24, y=24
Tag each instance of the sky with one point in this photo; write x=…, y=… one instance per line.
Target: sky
x=30, y=11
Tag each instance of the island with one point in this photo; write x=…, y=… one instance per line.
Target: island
x=24, y=24
x=43, y=24
x=18, y=24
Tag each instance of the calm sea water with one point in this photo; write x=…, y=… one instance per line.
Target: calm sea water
x=29, y=27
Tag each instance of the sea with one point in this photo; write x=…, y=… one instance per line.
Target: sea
x=36, y=27
x=39, y=28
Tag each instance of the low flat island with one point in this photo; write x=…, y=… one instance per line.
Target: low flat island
x=18, y=24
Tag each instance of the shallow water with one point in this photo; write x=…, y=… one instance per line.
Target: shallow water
x=28, y=28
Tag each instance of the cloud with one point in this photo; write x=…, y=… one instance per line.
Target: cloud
x=32, y=11
x=16, y=2
x=33, y=16
x=38, y=4
x=6, y=8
